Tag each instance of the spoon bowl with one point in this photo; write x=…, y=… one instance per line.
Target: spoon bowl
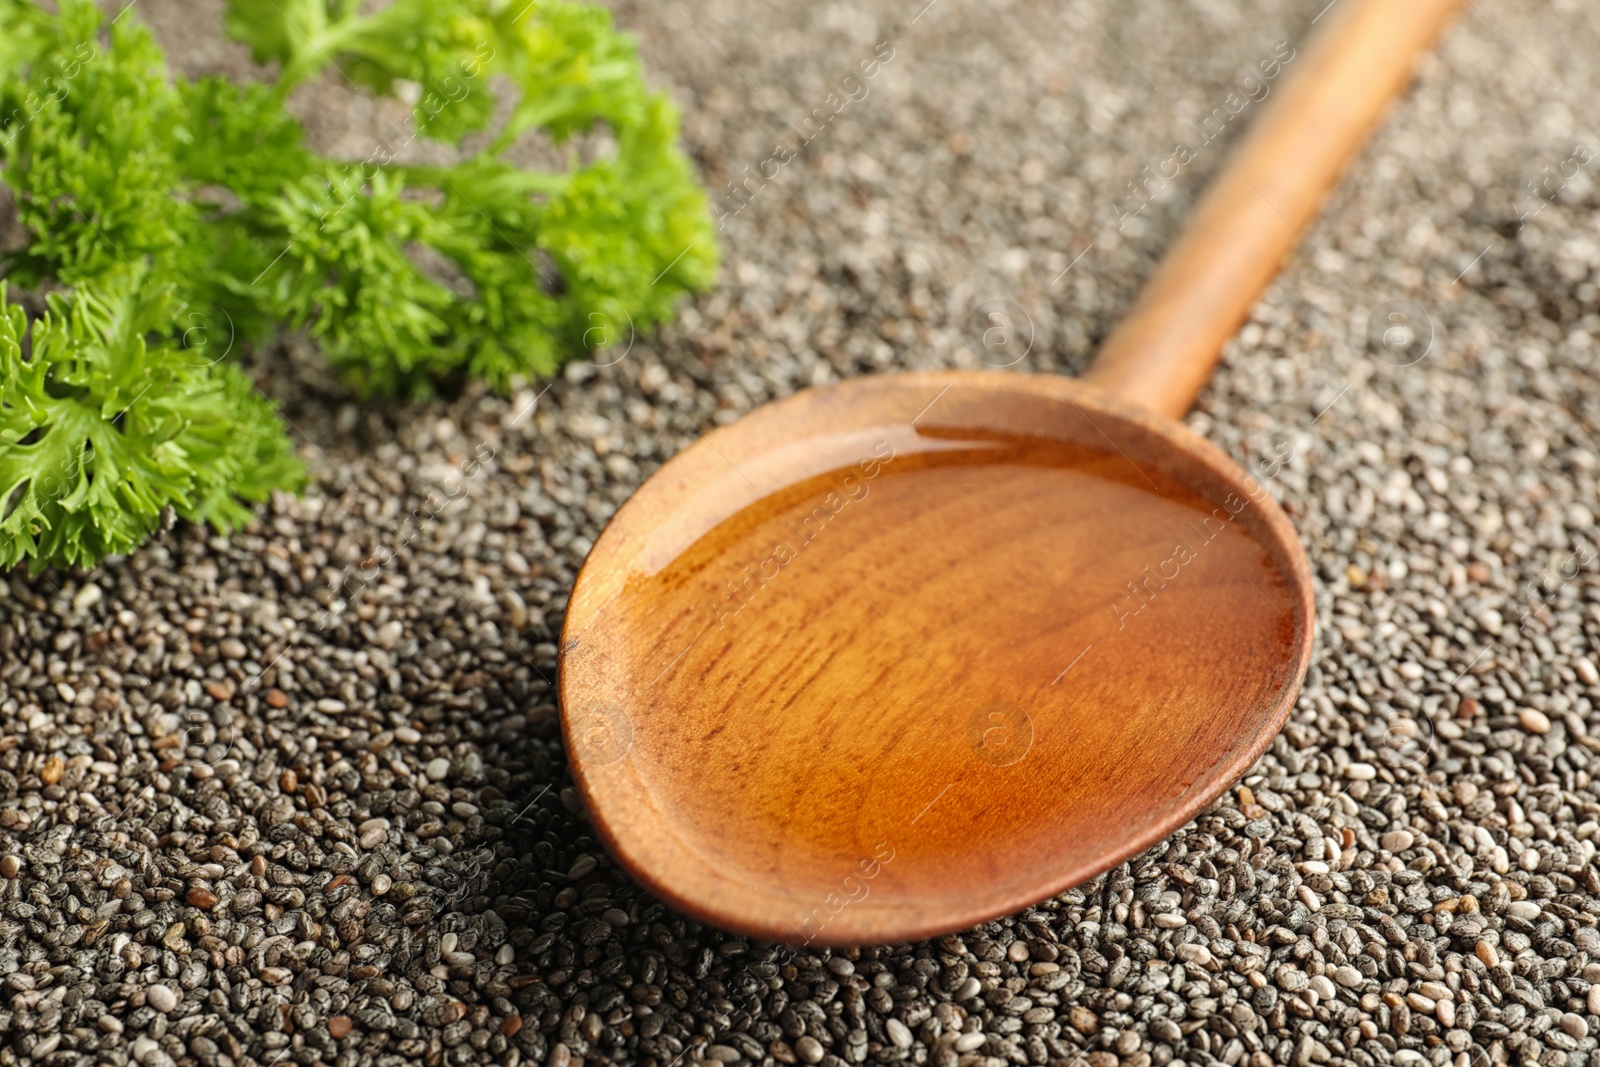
x=897, y=656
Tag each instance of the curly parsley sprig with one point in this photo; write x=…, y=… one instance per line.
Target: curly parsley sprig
x=546, y=263
x=158, y=207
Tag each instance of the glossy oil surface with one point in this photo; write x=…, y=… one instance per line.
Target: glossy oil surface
x=878, y=666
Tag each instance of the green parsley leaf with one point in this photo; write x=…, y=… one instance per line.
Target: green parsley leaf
x=410, y=276
x=101, y=430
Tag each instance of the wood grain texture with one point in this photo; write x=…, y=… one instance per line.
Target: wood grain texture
x=944, y=700
x=1257, y=210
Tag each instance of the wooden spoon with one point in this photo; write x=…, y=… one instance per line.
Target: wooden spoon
x=893, y=657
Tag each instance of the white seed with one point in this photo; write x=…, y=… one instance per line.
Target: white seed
x=1348, y=976
x=1534, y=721
x=161, y=998
x=1397, y=840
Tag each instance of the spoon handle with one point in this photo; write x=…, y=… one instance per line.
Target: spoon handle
x=1163, y=351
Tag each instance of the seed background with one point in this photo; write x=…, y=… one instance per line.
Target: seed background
x=220, y=751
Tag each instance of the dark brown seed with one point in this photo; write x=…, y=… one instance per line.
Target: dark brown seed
x=339, y=1026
